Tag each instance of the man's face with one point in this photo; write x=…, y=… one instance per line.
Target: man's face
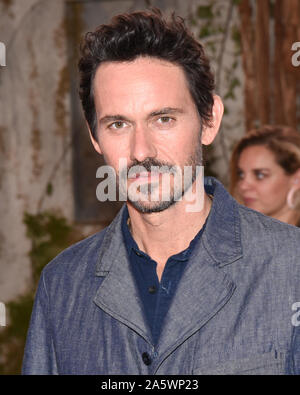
x=146, y=115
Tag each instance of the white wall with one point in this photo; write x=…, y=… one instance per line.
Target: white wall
x=34, y=127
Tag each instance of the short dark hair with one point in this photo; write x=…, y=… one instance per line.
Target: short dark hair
x=145, y=33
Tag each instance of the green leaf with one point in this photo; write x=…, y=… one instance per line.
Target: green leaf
x=205, y=12
x=49, y=189
x=204, y=32
x=236, y=37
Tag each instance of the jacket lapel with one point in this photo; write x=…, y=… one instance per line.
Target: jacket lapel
x=203, y=290
x=118, y=294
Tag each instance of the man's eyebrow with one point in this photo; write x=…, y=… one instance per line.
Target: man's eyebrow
x=119, y=117
x=166, y=110
x=112, y=118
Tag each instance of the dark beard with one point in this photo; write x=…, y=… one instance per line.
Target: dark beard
x=155, y=207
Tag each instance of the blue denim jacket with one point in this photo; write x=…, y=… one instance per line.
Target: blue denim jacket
x=232, y=312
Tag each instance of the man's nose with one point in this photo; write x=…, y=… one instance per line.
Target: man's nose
x=142, y=144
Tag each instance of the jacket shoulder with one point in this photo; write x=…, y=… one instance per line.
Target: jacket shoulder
x=83, y=253
x=257, y=227
x=261, y=220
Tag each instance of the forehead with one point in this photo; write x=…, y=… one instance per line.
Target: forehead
x=257, y=156
x=140, y=84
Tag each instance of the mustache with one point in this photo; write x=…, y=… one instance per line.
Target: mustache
x=149, y=163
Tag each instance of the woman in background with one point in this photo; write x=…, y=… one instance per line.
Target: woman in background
x=265, y=172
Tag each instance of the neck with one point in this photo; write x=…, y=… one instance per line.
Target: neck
x=169, y=232
x=291, y=217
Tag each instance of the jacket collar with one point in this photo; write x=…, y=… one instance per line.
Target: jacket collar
x=222, y=236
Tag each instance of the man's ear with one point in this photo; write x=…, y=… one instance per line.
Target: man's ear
x=209, y=132
x=94, y=141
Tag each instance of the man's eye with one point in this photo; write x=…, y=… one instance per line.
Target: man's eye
x=165, y=119
x=117, y=125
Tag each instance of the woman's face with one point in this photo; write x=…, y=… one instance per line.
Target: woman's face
x=262, y=184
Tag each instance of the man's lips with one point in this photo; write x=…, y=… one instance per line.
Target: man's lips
x=144, y=176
